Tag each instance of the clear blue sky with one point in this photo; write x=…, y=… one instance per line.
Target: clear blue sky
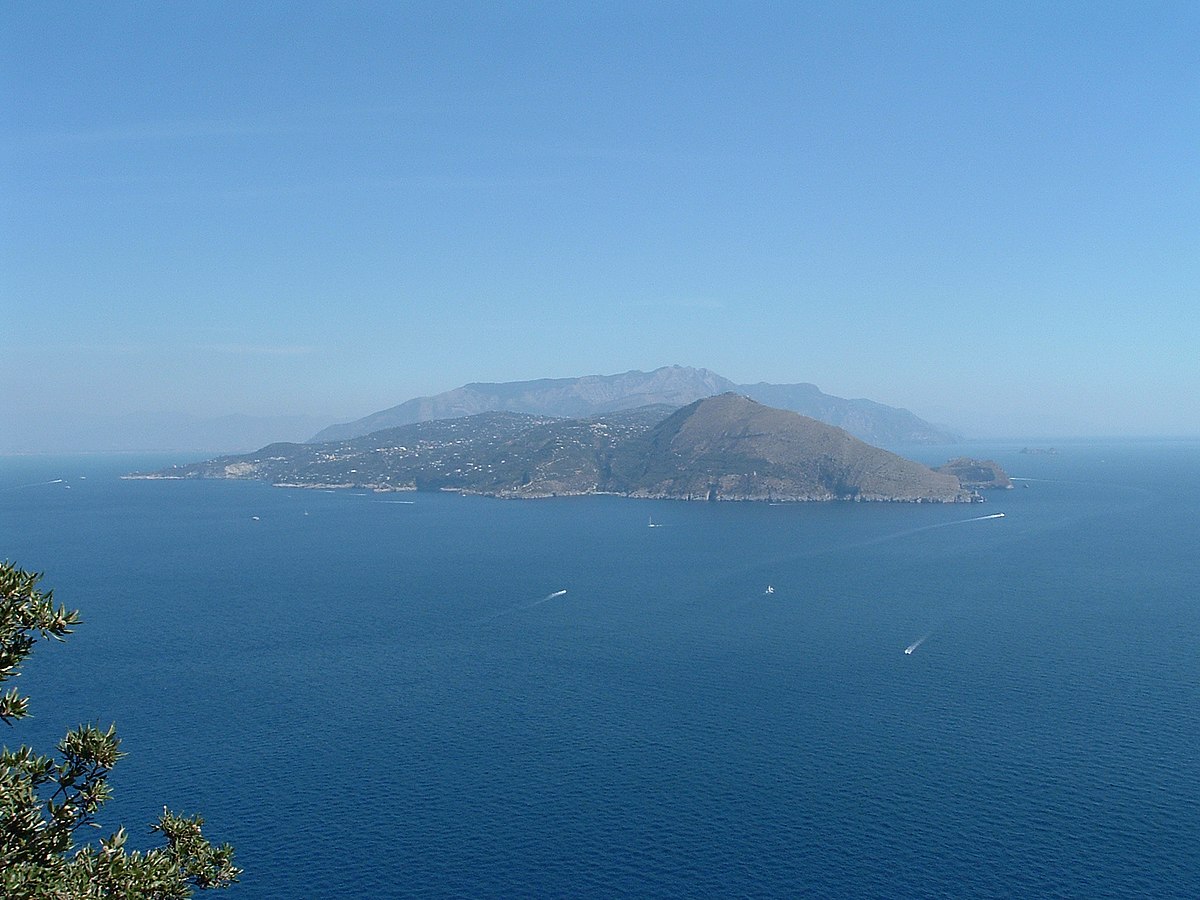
x=984, y=212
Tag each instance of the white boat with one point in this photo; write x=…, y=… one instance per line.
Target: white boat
x=770, y=589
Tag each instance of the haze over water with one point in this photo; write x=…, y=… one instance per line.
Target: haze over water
x=381, y=699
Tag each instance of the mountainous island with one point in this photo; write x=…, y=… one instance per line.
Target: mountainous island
x=726, y=447
x=671, y=386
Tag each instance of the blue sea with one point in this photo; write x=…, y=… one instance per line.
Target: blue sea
x=390, y=695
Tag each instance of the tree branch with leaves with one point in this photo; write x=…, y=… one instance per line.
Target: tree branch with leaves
x=45, y=800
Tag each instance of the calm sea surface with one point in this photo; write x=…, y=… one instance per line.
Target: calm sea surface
x=390, y=696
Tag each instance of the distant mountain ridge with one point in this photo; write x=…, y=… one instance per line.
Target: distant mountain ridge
x=726, y=447
x=673, y=386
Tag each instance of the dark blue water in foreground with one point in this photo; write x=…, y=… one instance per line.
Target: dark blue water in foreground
x=380, y=698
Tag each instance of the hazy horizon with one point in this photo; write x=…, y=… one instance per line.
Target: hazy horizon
x=234, y=216
x=170, y=431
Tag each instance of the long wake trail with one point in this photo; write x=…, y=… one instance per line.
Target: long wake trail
x=962, y=521
x=545, y=599
x=520, y=607
x=869, y=542
x=21, y=487
x=900, y=534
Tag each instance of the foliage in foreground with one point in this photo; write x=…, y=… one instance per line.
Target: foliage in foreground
x=44, y=800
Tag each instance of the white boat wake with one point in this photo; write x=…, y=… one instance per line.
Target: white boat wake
x=21, y=487
x=521, y=607
x=912, y=648
x=965, y=521
x=911, y=531
x=938, y=525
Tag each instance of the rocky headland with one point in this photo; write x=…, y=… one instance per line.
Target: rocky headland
x=977, y=474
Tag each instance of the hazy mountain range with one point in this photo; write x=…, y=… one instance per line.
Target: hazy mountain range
x=725, y=447
x=672, y=386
